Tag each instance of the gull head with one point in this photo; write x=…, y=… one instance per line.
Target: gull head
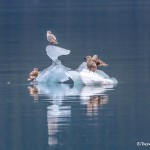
x=49, y=32
x=87, y=57
x=35, y=69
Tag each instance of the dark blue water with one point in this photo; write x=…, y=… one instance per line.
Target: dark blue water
x=65, y=116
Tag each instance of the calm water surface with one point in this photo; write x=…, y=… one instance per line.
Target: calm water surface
x=72, y=117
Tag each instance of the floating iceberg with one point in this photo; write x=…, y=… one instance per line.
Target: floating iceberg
x=58, y=73
x=90, y=78
x=83, y=76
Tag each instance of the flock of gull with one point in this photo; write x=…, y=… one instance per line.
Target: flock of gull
x=92, y=62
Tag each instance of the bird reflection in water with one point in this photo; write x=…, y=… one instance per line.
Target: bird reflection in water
x=58, y=112
x=94, y=103
x=33, y=91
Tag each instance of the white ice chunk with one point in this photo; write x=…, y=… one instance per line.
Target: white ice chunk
x=93, y=78
x=89, y=78
x=54, y=51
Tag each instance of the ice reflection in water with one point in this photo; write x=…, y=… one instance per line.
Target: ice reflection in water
x=59, y=111
x=57, y=116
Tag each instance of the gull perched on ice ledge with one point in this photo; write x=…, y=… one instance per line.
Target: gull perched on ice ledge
x=51, y=38
x=33, y=75
x=98, y=61
x=91, y=65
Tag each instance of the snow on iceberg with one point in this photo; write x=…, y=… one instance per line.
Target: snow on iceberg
x=83, y=76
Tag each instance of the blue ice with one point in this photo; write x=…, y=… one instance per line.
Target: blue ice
x=58, y=73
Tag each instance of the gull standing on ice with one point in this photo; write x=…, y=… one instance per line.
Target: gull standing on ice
x=51, y=38
x=98, y=61
x=33, y=75
x=91, y=65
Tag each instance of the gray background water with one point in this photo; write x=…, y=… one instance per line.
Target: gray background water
x=61, y=117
